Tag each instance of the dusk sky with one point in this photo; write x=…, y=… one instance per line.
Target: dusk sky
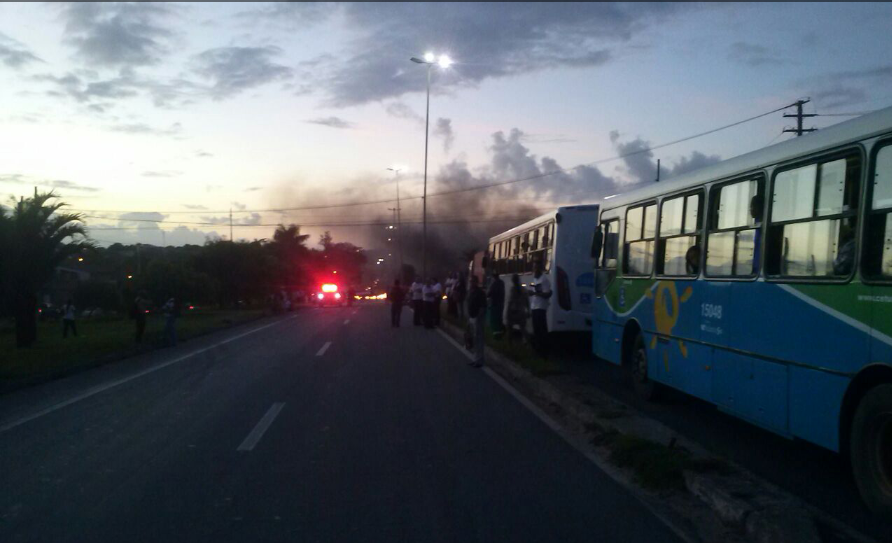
x=177, y=112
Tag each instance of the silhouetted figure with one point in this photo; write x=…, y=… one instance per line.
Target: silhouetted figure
x=539, y=304
x=139, y=313
x=692, y=260
x=417, y=291
x=171, y=311
x=496, y=295
x=438, y=299
x=477, y=314
x=68, y=315
x=397, y=297
x=518, y=308
x=429, y=294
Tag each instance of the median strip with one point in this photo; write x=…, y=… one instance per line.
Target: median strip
x=254, y=437
x=324, y=348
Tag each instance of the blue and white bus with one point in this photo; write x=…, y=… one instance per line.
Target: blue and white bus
x=763, y=284
x=553, y=238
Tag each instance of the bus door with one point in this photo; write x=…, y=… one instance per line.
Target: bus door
x=606, y=332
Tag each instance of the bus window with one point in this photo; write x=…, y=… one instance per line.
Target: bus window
x=877, y=262
x=641, y=225
x=610, y=248
x=678, y=250
x=733, y=243
x=814, y=220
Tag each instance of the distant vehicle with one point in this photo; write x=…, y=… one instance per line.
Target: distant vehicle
x=560, y=240
x=328, y=295
x=763, y=284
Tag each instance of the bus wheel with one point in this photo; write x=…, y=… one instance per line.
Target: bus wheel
x=871, y=449
x=644, y=387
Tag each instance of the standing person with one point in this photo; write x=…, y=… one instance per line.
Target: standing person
x=496, y=295
x=438, y=298
x=396, y=297
x=140, y=308
x=428, y=294
x=450, y=296
x=68, y=313
x=460, y=290
x=476, y=315
x=417, y=301
x=539, y=304
x=518, y=308
x=171, y=312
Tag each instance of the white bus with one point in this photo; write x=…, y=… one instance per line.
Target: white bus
x=561, y=240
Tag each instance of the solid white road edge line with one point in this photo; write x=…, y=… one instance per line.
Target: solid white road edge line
x=102, y=388
x=609, y=469
x=324, y=348
x=261, y=428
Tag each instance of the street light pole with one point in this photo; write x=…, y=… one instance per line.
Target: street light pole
x=399, y=226
x=444, y=62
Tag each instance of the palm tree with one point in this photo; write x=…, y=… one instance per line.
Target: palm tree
x=288, y=244
x=33, y=242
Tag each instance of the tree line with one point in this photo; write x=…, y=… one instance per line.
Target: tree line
x=37, y=237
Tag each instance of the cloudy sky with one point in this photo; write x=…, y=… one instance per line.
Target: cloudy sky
x=179, y=112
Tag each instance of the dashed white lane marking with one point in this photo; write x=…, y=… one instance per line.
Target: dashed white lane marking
x=347, y=321
x=102, y=388
x=324, y=348
x=254, y=437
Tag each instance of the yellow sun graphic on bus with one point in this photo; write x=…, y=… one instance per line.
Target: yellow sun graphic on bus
x=666, y=311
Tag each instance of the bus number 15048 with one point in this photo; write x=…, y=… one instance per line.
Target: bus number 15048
x=711, y=311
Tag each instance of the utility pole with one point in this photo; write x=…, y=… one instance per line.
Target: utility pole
x=658, y=171
x=799, y=116
x=399, y=226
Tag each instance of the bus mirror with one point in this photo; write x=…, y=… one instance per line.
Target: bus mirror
x=597, y=244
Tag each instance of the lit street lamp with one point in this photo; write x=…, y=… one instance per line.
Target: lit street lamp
x=444, y=62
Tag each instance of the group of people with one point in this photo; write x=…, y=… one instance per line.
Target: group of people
x=523, y=303
x=171, y=310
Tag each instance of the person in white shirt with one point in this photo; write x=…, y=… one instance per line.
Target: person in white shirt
x=539, y=305
x=68, y=312
x=416, y=291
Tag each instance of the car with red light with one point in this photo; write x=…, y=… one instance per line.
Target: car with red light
x=329, y=294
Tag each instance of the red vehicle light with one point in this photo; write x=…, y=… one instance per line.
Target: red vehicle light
x=320, y=295
x=337, y=295
x=329, y=287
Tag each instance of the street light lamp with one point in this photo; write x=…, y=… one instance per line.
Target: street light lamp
x=444, y=62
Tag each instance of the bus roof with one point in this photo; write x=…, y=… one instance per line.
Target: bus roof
x=541, y=218
x=866, y=126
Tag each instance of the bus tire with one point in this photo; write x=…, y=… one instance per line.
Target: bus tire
x=645, y=388
x=871, y=449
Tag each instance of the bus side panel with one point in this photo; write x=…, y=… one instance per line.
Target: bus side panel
x=881, y=324
x=607, y=338
x=815, y=402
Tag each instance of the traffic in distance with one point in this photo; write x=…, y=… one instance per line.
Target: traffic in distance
x=762, y=284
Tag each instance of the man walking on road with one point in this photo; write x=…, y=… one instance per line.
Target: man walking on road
x=496, y=295
x=140, y=308
x=417, y=301
x=396, y=297
x=539, y=304
x=476, y=315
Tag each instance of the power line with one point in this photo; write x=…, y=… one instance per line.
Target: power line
x=334, y=225
x=476, y=187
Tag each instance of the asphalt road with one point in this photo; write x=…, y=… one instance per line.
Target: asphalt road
x=328, y=425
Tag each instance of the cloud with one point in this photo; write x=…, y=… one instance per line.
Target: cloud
x=696, y=161
x=253, y=189
x=239, y=206
x=443, y=129
x=20, y=179
x=640, y=165
x=165, y=173
x=401, y=111
x=231, y=70
x=546, y=138
x=14, y=54
x=847, y=87
x=118, y=34
x=141, y=216
x=333, y=122
x=290, y=14
x=203, y=154
x=194, y=207
x=250, y=220
x=485, y=41
x=754, y=55
x=141, y=128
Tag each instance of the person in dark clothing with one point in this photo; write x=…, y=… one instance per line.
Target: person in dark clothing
x=461, y=292
x=140, y=308
x=397, y=297
x=496, y=295
x=476, y=314
x=539, y=305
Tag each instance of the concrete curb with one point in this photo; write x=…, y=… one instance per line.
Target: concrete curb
x=751, y=506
